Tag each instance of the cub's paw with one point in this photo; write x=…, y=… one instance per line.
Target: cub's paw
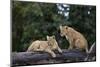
x=53, y=56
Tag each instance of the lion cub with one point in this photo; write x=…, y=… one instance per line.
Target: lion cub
x=46, y=46
x=76, y=39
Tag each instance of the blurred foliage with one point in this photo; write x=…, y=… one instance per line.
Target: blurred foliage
x=34, y=21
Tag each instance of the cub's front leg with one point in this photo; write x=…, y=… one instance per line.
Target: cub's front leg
x=60, y=51
x=38, y=49
x=70, y=45
x=50, y=52
x=70, y=42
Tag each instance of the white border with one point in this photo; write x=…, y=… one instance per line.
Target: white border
x=85, y=2
x=5, y=33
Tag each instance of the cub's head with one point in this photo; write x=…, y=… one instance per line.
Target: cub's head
x=63, y=30
x=52, y=41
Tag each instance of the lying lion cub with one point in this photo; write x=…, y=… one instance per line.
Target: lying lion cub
x=46, y=46
x=76, y=39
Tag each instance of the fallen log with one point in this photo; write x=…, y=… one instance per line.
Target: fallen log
x=75, y=55
x=27, y=58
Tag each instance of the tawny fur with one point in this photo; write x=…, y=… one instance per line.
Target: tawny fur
x=76, y=39
x=46, y=46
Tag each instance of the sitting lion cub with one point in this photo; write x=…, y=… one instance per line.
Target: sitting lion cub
x=46, y=46
x=75, y=38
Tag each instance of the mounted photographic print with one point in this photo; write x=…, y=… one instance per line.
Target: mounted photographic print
x=52, y=33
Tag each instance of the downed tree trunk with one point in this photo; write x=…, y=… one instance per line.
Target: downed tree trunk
x=25, y=58
x=75, y=55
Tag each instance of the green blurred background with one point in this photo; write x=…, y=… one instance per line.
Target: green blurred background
x=34, y=21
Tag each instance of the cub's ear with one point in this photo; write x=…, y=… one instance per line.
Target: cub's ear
x=60, y=26
x=53, y=37
x=47, y=37
x=66, y=27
